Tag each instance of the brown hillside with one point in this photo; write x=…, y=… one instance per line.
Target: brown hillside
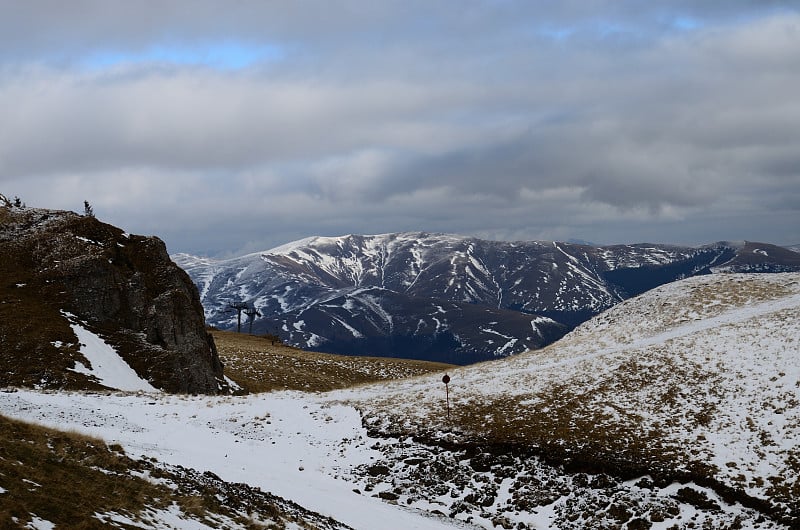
x=260, y=365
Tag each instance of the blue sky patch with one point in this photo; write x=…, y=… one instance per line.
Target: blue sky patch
x=220, y=55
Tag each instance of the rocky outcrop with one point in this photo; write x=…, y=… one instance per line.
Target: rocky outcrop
x=59, y=269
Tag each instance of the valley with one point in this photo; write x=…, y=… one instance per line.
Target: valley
x=483, y=265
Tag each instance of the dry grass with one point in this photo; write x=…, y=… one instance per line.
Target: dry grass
x=65, y=478
x=259, y=364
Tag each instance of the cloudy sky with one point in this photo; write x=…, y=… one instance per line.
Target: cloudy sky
x=232, y=127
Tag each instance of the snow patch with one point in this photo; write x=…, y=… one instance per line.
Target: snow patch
x=86, y=240
x=232, y=384
x=37, y=523
x=107, y=366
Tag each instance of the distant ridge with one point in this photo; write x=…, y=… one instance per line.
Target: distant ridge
x=444, y=297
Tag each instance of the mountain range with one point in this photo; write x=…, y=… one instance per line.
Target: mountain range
x=445, y=297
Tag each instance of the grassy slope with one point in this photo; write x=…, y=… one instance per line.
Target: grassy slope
x=259, y=365
x=696, y=380
x=40, y=467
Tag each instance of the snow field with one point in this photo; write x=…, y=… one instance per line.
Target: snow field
x=289, y=444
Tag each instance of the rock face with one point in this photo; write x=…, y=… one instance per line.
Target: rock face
x=59, y=269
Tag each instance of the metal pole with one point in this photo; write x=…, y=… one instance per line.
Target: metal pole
x=446, y=381
x=447, y=390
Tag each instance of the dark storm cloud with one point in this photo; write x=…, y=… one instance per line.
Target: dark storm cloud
x=612, y=121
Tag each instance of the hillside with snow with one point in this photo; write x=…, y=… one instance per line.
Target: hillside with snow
x=674, y=409
x=696, y=381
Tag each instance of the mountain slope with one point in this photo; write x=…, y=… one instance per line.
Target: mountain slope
x=261, y=364
x=444, y=297
x=694, y=381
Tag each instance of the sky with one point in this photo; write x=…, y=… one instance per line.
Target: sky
x=233, y=127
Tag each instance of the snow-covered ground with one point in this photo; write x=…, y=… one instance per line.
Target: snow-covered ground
x=290, y=444
x=718, y=371
x=294, y=445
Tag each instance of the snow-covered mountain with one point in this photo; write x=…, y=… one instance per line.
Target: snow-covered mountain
x=445, y=297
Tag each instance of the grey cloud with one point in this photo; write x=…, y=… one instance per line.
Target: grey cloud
x=52, y=30
x=465, y=120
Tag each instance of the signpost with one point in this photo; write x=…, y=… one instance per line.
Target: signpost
x=446, y=381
